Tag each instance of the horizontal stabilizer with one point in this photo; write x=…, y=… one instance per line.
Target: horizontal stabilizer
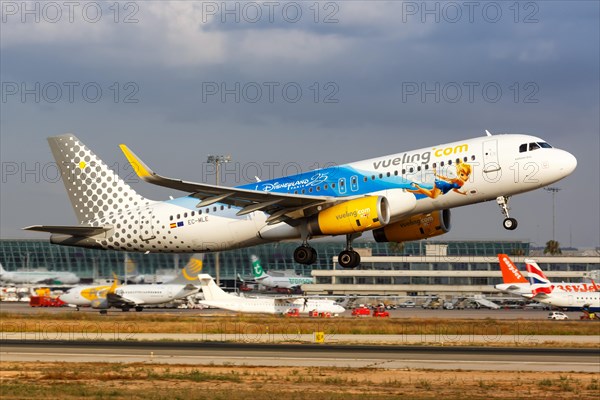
x=79, y=230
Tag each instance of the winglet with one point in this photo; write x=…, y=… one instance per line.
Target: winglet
x=140, y=168
x=510, y=272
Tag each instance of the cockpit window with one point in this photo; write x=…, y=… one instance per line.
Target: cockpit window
x=523, y=148
x=544, y=145
x=533, y=146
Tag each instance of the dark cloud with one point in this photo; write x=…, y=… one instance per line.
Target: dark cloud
x=365, y=63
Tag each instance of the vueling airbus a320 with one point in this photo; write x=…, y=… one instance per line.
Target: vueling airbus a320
x=401, y=197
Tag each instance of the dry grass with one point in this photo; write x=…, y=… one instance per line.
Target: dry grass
x=144, y=381
x=162, y=323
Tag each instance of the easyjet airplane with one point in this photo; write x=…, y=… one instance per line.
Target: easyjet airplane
x=400, y=197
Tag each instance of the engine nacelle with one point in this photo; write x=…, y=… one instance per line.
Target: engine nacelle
x=101, y=304
x=351, y=216
x=418, y=227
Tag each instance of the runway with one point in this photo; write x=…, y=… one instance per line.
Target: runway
x=387, y=357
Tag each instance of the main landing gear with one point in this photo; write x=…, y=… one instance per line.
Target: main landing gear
x=508, y=223
x=348, y=258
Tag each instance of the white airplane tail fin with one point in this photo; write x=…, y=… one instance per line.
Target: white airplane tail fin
x=210, y=289
x=190, y=273
x=94, y=189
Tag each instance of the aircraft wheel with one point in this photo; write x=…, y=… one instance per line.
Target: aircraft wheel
x=125, y=309
x=138, y=309
x=305, y=255
x=103, y=312
x=510, y=224
x=349, y=259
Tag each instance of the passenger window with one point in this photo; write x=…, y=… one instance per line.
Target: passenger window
x=523, y=148
x=354, y=183
x=342, y=185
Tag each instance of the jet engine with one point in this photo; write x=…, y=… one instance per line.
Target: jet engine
x=351, y=216
x=421, y=226
x=101, y=304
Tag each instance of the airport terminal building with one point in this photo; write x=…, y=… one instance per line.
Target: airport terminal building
x=416, y=268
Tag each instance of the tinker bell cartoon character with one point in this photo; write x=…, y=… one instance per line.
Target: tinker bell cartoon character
x=443, y=184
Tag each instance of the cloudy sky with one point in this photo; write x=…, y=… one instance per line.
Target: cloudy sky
x=288, y=85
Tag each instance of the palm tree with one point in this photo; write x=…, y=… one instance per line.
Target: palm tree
x=396, y=247
x=552, y=248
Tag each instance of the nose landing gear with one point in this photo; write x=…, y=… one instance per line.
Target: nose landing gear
x=508, y=223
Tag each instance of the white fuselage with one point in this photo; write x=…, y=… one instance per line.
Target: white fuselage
x=524, y=289
x=85, y=296
x=33, y=277
x=572, y=300
x=275, y=306
x=499, y=167
x=285, y=282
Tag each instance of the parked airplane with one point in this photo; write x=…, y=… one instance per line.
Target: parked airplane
x=286, y=282
x=514, y=281
x=38, y=277
x=214, y=296
x=136, y=296
x=132, y=274
x=543, y=291
x=402, y=197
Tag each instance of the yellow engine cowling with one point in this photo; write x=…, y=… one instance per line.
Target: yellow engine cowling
x=351, y=216
x=417, y=227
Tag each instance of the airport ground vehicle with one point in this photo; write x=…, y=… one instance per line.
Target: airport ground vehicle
x=380, y=312
x=361, y=311
x=294, y=312
x=408, y=304
x=45, y=301
x=557, y=315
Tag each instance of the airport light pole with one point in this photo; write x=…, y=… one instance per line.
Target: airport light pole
x=217, y=160
x=553, y=191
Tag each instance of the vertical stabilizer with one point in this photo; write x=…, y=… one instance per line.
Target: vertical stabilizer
x=510, y=272
x=189, y=274
x=211, y=291
x=257, y=270
x=539, y=282
x=94, y=189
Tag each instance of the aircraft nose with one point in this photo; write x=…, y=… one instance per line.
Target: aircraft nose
x=569, y=163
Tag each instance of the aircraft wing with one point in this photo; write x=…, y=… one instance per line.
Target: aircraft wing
x=281, y=206
x=118, y=300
